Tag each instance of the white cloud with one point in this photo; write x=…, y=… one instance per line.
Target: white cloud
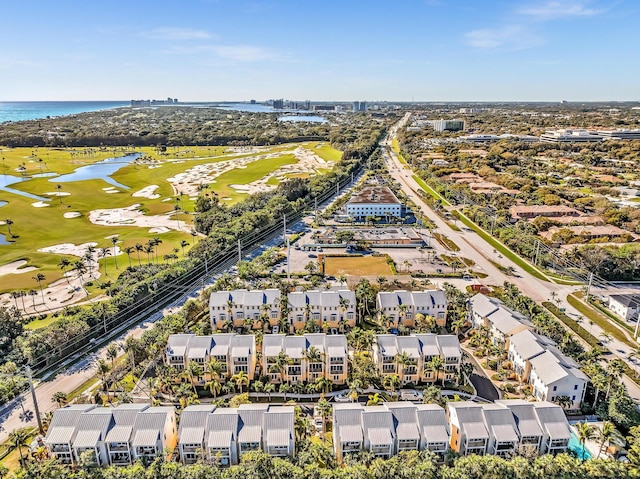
x=232, y=53
x=175, y=33
x=510, y=37
x=554, y=9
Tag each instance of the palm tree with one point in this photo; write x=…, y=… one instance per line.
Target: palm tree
x=149, y=249
x=128, y=250
x=284, y=389
x=374, y=399
x=608, y=434
x=9, y=222
x=183, y=243
x=176, y=213
x=606, y=337
x=157, y=242
x=392, y=382
x=564, y=402
x=59, y=188
x=18, y=439
x=33, y=293
x=241, y=379
x=139, y=248
x=432, y=395
x=585, y=433
x=40, y=278
x=112, y=353
x=257, y=386
x=59, y=398
x=402, y=361
x=323, y=385
x=114, y=242
x=102, y=370
x=313, y=355
x=280, y=363
x=64, y=263
x=324, y=410
x=269, y=388
x=80, y=268
x=214, y=386
x=104, y=252
x=436, y=365
x=214, y=368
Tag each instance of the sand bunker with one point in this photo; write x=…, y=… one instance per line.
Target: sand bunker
x=15, y=267
x=39, y=204
x=132, y=216
x=69, y=249
x=161, y=229
x=58, y=193
x=147, y=192
x=72, y=214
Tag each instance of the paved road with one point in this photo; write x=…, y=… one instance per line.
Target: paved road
x=473, y=246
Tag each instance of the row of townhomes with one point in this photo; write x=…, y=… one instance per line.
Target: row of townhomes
x=111, y=436
x=536, y=359
x=418, y=352
x=335, y=309
x=504, y=428
x=124, y=434
x=307, y=357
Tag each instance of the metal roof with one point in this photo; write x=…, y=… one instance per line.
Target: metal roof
x=435, y=433
x=119, y=434
x=146, y=437
x=219, y=439
x=191, y=435
x=475, y=430
x=504, y=433
x=350, y=433
x=379, y=436
x=250, y=434
x=60, y=434
x=87, y=439
x=529, y=427
x=278, y=437
x=407, y=430
x=558, y=430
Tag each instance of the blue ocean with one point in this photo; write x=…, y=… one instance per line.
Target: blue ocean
x=33, y=110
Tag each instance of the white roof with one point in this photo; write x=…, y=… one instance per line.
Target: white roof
x=86, y=439
x=146, y=437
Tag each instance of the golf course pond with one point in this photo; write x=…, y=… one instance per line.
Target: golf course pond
x=99, y=171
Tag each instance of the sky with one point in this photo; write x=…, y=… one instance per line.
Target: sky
x=342, y=50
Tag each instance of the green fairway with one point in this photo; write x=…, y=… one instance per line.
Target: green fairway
x=35, y=228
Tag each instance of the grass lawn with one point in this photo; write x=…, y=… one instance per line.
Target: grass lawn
x=598, y=318
x=356, y=266
x=37, y=228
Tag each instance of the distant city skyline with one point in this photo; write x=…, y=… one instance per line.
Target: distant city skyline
x=415, y=50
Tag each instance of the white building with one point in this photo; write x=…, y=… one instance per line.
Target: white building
x=502, y=322
x=627, y=306
x=241, y=308
x=329, y=309
x=374, y=201
x=401, y=307
x=446, y=125
x=567, y=135
x=554, y=374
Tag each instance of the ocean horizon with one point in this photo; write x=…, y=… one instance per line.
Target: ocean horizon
x=35, y=110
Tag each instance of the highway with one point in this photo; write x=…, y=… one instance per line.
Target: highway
x=482, y=253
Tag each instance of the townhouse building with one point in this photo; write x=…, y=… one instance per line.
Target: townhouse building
x=241, y=308
x=329, y=309
x=553, y=375
x=111, y=436
x=400, y=307
x=416, y=353
x=388, y=429
x=305, y=358
x=469, y=433
x=236, y=353
x=501, y=321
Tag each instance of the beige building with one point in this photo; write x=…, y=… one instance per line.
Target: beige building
x=305, y=358
x=330, y=310
x=400, y=307
x=240, y=308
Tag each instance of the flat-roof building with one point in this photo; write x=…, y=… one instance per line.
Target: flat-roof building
x=374, y=201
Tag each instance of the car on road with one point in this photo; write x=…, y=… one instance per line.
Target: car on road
x=313, y=256
x=343, y=397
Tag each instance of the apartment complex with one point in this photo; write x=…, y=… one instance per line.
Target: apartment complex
x=503, y=428
x=373, y=201
x=417, y=352
x=305, y=358
x=245, y=309
x=401, y=307
x=236, y=353
x=536, y=359
x=328, y=309
x=111, y=436
x=222, y=435
x=507, y=427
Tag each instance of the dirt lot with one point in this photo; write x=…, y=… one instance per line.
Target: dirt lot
x=356, y=266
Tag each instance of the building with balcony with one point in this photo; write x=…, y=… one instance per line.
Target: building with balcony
x=373, y=201
x=553, y=375
x=305, y=358
x=191, y=434
x=234, y=352
x=240, y=308
x=329, y=310
x=401, y=307
x=501, y=321
x=417, y=351
x=502, y=429
x=469, y=433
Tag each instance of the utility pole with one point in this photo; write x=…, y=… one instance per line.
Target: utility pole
x=338, y=188
x=35, y=400
x=535, y=258
x=589, y=287
x=284, y=228
x=288, y=259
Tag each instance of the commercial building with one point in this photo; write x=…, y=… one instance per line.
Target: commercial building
x=567, y=135
x=236, y=353
x=374, y=201
x=111, y=436
x=376, y=237
x=620, y=134
x=240, y=308
x=587, y=233
x=446, y=125
x=305, y=358
x=401, y=307
x=548, y=211
x=359, y=106
x=417, y=351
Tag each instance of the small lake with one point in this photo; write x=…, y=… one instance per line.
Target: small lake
x=309, y=118
x=6, y=180
x=99, y=171
x=3, y=240
x=2, y=203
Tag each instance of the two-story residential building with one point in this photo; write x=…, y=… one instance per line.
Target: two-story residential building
x=221, y=437
x=502, y=429
x=111, y=436
x=434, y=429
x=191, y=434
x=523, y=347
x=378, y=431
x=305, y=358
x=234, y=352
x=553, y=374
x=555, y=428
x=329, y=309
x=627, y=306
x=241, y=308
x=530, y=433
x=416, y=353
x=400, y=307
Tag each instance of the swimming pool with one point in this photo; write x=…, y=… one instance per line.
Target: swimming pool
x=576, y=447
